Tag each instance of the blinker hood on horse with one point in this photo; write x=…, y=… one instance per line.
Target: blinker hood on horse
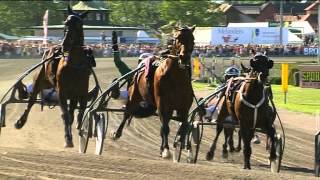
x=248, y=105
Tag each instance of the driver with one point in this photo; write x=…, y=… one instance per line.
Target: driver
x=230, y=72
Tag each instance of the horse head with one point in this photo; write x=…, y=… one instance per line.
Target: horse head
x=183, y=43
x=74, y=29
x=259, y=66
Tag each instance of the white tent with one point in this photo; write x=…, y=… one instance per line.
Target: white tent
x=143, y=37
x=203, y=36
x=141, y=33
x=302, y=25
x=253, y=24
x=294, y=39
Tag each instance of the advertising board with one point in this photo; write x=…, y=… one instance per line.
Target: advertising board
x=248, y=35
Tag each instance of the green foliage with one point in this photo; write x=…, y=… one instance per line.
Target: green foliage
x=304, y=100
x=135, y=13
x=201, y=13
x=260, y=1
x=275, y=80
x=155, y=14
x=148, y=13
x=17, y=14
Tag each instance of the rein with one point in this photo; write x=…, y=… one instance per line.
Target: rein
x=256, y=106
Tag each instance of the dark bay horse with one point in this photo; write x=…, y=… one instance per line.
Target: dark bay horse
x=170, y=89
x=251, y=107
x=223, y=124
x=71, y=74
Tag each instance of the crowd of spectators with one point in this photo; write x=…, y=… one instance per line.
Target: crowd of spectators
x=35, y=50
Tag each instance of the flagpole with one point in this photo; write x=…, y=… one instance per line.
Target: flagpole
x=318, y=56
x=45, y=28
x=281, y=25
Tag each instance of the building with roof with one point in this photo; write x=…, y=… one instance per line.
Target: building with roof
x=99, y=12
x=311, y=14
x=270, y=12
x=97, y=26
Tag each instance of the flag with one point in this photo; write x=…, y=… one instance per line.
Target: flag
x=45, y=27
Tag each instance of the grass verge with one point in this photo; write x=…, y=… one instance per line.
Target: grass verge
x=305, y=100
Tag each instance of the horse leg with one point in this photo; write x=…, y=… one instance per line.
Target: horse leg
x=210, y=153
x=66, y=117
x=118, y=133
x=247, y=135
x=271, y=136
x=72, y=107
x=83, y=105
x=230, y=139
x=225, y=144
x=238, y=148
x=164, y=132
x=33, y=96
x=183, y=116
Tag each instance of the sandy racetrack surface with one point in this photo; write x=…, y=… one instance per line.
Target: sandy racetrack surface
x=36, y=151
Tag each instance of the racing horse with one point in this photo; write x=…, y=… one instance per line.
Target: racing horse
x=251, y=107
x=170, y=89
x=71, y=76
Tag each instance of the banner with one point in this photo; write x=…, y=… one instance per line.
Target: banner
x=284, y=77
x=230, y=35
x=309, y=75
x=313, y=51
x=248, y=35
x=45, y=27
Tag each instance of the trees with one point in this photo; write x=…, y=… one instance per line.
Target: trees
x=155, y=14
x=201, y=13
x=17, y=14
x=135, y=13
x=148, y=13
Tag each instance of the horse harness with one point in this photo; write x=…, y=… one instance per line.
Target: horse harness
x=236, y=85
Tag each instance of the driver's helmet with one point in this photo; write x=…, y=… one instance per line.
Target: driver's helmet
x=231, y=72
x=143, y=56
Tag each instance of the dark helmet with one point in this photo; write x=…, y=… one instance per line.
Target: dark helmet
x=232, y=71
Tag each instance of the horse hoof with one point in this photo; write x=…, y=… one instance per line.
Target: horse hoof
x=190, y=158
x=116, y=136
x=238, y=149
x=232, y=149
x=209, y=156
x=68, y=145
x=225, y=155
x=166, y=153
x=18, y=125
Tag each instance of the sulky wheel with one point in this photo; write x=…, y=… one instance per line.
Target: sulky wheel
x=2, y=116
x=317, y=155
x=194, y=139
x=101, y=121
x=275, y=164
x=177, y=147
x=85, y=132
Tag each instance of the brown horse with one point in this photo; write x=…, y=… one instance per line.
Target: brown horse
x=71, y=74
x=251, y=106
x=170, y=89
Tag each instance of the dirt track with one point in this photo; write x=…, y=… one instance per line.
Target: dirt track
x=36, y=151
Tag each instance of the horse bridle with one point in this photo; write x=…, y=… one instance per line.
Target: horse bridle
x=66, y=29
x=177, y=49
